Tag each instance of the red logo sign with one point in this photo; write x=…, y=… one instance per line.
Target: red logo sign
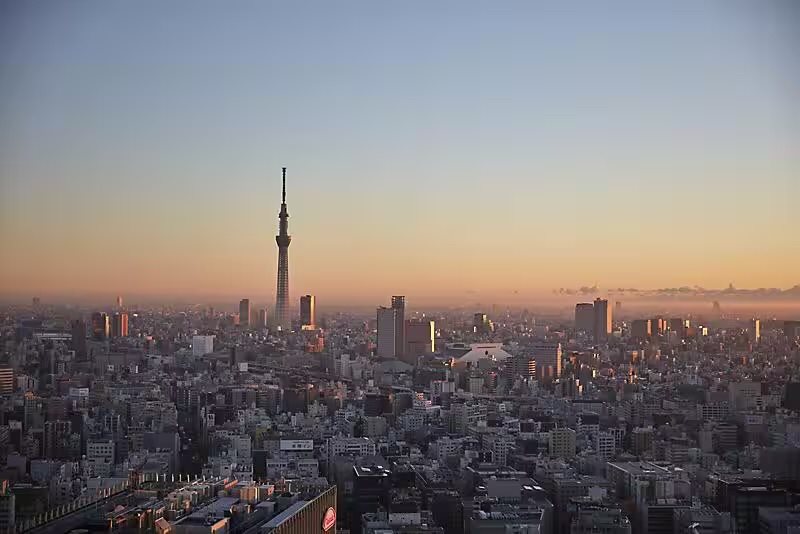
x=329, y=519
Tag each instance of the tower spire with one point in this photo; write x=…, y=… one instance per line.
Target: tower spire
x=283, y=239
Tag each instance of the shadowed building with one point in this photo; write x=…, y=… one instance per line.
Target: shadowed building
x=308, y=312
x=244, y=313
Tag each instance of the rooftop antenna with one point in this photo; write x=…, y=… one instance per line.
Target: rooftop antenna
x=284, y=186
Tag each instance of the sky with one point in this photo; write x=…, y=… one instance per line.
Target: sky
x=443, y=150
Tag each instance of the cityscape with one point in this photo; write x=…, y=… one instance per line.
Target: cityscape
x=446, y=365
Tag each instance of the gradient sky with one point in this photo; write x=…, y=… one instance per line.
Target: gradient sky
x=435, y=149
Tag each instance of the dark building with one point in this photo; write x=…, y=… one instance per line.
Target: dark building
x=315, y=516
x=399, y=305
x=791, y=329
x=791, y=398
x=244, y=313
x=308, y=312
x=56, y=439
x=79, y=339
x=371, y=485
x=295, y=400
x=743, y=499
x=100, y=326
x=119, y=325
x=376, y=404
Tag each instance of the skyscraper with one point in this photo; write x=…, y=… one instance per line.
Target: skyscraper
x=584, y=317
x=420, y=338
x=79, y=339
x=387, y=335
x=755, y=330
x=283, y=239
x=308, y=312
x=602, y=320
x=480, y=323
x=244, y=313
x=100, y=326
x=119, y=325
x=262, y=317
x=399, y=305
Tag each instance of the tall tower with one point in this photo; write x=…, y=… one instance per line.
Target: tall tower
x=283, y=239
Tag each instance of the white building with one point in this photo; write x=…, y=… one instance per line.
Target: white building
x=202, y=345
x=100, y=456
x=605, y=445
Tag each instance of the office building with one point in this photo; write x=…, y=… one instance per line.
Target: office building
x=119, y=325
x=100, y=457
x=7, y=508
x=562, y=442
x=399, y=305
x=100, y=326
x=791, y=329
x=308, y=312
x=262, y=318
x=657, y=326
x=6, y=380
x=244, y=313
x=755, y=330
x=78, y=328
x=420, y=337
x=283, y=239
x=584, y=317
x=641, y=329
x=56, y=434
x=548, y=360
x=783, y=520
x=678, y=326
x=480, y=323
x=387, y=337
x=202, y=345
x=602, y=320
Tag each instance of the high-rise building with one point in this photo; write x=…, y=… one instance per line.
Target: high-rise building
x=548, y=360
x=6, y=380
x=641, y=329
x=657, y=326
x=755, y=330
x=678, y=326
x=283, y=239
x=602, y=320
x=399, y=305
x=244, y=313
x=100, y=326
x=262, y=318
x=420, y=337
x=791, y=329
x=480, y=323
x=119, y=325
x=119, y=302
x=202, y=345
x=79, y=339
x=584, y=317
x=387, y=337
x=308, y=312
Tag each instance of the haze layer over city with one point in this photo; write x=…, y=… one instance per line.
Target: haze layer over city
x=399, y=268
